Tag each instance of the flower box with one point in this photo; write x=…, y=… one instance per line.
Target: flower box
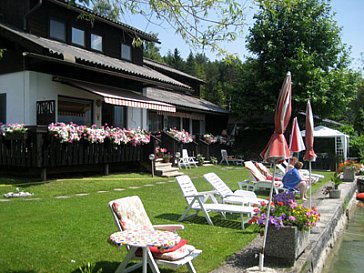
x=349, y=174
x=16, y=136
x=286, y=244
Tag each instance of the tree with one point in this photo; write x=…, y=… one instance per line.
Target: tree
x=151, y=51
x=300, y=36
x=201, y=24
x=175, y=60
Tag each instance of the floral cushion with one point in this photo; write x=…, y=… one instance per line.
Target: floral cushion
x=175, y=255
x=131, y=214
x=159, y=250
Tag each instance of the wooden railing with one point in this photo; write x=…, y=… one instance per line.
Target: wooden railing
x=172, y=145
x=37, y=149
x=213, y=149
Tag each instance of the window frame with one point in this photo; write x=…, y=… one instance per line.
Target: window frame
x=65, y=98
x=123, y=57
x=84, y=36
x=93, y=48
x=51, y=19
x=3, y=107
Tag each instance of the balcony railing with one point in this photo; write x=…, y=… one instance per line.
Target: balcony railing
x=37, y=149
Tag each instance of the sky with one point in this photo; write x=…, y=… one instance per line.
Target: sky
x=349, y=16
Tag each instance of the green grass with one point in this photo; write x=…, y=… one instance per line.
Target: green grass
x=48, y=234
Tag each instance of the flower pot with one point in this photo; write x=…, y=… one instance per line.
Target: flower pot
x=166, y=160
x=349, y=174
x=286, y=244
x=335, y=194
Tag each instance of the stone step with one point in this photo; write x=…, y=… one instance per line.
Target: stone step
x=172, y=174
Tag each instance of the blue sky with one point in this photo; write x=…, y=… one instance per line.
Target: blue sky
x=349, y=15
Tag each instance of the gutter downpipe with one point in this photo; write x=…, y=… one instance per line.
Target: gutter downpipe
x=25, y=21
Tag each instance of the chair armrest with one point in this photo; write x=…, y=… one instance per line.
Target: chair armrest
x=171, y=228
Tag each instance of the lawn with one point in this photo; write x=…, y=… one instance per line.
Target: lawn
x=66, y=223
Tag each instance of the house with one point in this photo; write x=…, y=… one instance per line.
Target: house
x=65, y=63
x=62, y=66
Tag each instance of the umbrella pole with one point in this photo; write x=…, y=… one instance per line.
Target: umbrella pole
x=261, y=254
x=309, y=177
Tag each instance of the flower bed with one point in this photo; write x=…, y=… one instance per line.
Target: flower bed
x=69, y=133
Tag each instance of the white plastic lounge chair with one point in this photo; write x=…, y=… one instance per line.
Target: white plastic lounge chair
x=259, y=181
x=190, y=159
x=242, y=197
x=129, y=214
x=305, y=173
x=186, y=160
x=197, y=202
x=226, y=158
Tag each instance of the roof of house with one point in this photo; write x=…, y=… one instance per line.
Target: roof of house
x=78, y=55
x=184, y=101
x=100, y=17
x=158, y=65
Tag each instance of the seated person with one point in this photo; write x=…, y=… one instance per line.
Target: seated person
x=291, y=162
x=293, y=180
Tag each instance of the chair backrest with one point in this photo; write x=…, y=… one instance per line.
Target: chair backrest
x=254, y=171
x=224, y=153
x=129, y=214
x=218, y=184
x=281, y=168
x=184, y=153
x=187, y=187
x=263, y=169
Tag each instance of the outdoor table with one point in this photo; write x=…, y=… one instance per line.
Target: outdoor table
x=142, y=239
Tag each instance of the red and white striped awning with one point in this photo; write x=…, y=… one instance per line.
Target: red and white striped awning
x=121, y=97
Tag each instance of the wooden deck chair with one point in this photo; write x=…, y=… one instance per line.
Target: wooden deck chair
x=242, y=197
x=129, y=214
x=226, y=158
x=259, y=181
x=268, y=174
x=197, y=201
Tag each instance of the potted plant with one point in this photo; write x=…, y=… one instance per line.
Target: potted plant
x=13, y=131
x=200, y=159
x=336, y=181
x=213, y=160
x=167, y=158
x=288, y=226
x=349, y=168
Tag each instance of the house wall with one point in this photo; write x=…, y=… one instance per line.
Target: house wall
x=24, y=89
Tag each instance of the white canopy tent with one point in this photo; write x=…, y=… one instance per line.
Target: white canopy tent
x=341, y=140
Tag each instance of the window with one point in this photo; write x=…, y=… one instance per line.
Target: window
x=126, y=52
x=96, y=42
x=196, y=127
x=186, y=124
x=57, y=30
x=2, y=108
x=113, y=115
x=155, y=121
x=78, y=111
x=78, y=36
x=173, y=122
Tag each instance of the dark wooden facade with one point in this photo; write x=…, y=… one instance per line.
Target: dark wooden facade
x=39, y=151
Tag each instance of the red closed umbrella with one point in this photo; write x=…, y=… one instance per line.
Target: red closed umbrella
x=310, y=153
x=277, y=149
x=296, y=144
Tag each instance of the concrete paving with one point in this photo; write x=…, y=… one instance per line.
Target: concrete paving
x=334, y=216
